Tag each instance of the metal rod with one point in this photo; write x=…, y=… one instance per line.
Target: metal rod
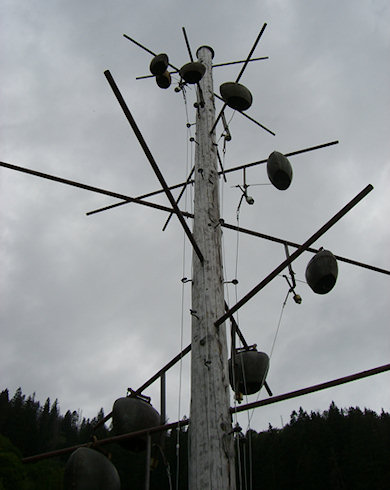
x=152, y=161
x=151, y=380
x=236, y=327
x=233, y=169
x=91, y=188
x=297, y=245
x=290, y=270
x=243, y=114
x=268, y=389
x=221, y=165
x=296, y=254
x=292, y=153
x=218, y=118
x=182, y=423
x=251, y=52
x=142, y=77
x=312, y=389
x=146, y=49
x=149, y=194
x=257, y=122
x=240, y=61
x=228, y=135
x=108, y=440
x=164, y=369
x=187, y=43
x=163, y=398
x=147, y=461
x=229, y=226
x=179, y=197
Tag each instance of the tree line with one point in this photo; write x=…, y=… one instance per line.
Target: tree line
x=337, y=449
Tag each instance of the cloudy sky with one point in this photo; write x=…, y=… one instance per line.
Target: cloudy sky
x=93, y=305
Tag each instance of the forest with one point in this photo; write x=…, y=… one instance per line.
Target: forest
x=346, y=448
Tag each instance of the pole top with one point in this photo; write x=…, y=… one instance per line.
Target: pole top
x=208, y=47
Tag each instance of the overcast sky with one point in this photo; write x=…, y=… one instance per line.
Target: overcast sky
x=93, y=305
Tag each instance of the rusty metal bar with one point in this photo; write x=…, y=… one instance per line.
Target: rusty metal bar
x=312, y=389
x=152, y=161
x=182, y=423
x=296, y=254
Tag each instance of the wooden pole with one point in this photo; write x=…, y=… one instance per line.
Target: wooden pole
x=211, y=459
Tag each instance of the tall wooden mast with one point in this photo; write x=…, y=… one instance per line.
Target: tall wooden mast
x=211, y=460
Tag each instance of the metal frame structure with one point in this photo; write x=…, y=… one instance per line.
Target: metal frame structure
x=206, y=97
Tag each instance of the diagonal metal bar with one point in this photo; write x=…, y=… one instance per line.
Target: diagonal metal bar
x=181, y=423
x=143, y=196
x=179, y=197
x=241, y=73
x=126, y=199
x=236, y=327
x=257, y=234
x=232, y=169
x=152, y=161
x=91, y=188
x=292, y=153
x=187, y=44
x=251, y=52
x=221, y=165
x=146, y=49
x=217, y=65
x=313, y=389
x=296, y=254
x=248, y=117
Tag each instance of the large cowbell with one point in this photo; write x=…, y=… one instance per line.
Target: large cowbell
x=321, y=272
x=159, y=64
x=236, y=96
x=250, y=370
x=164, y=80
x=192, y=72
x=87, y=469
x=130, y=414
x=279, y=170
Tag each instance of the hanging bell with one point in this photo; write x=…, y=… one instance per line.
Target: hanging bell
x=87, y=469
x=236, y=96
x=159, y=64
x=279, y=170
x=192, y=72
x=164, y=80
x=249, y=372
x=130, y=414
x=321, y=272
